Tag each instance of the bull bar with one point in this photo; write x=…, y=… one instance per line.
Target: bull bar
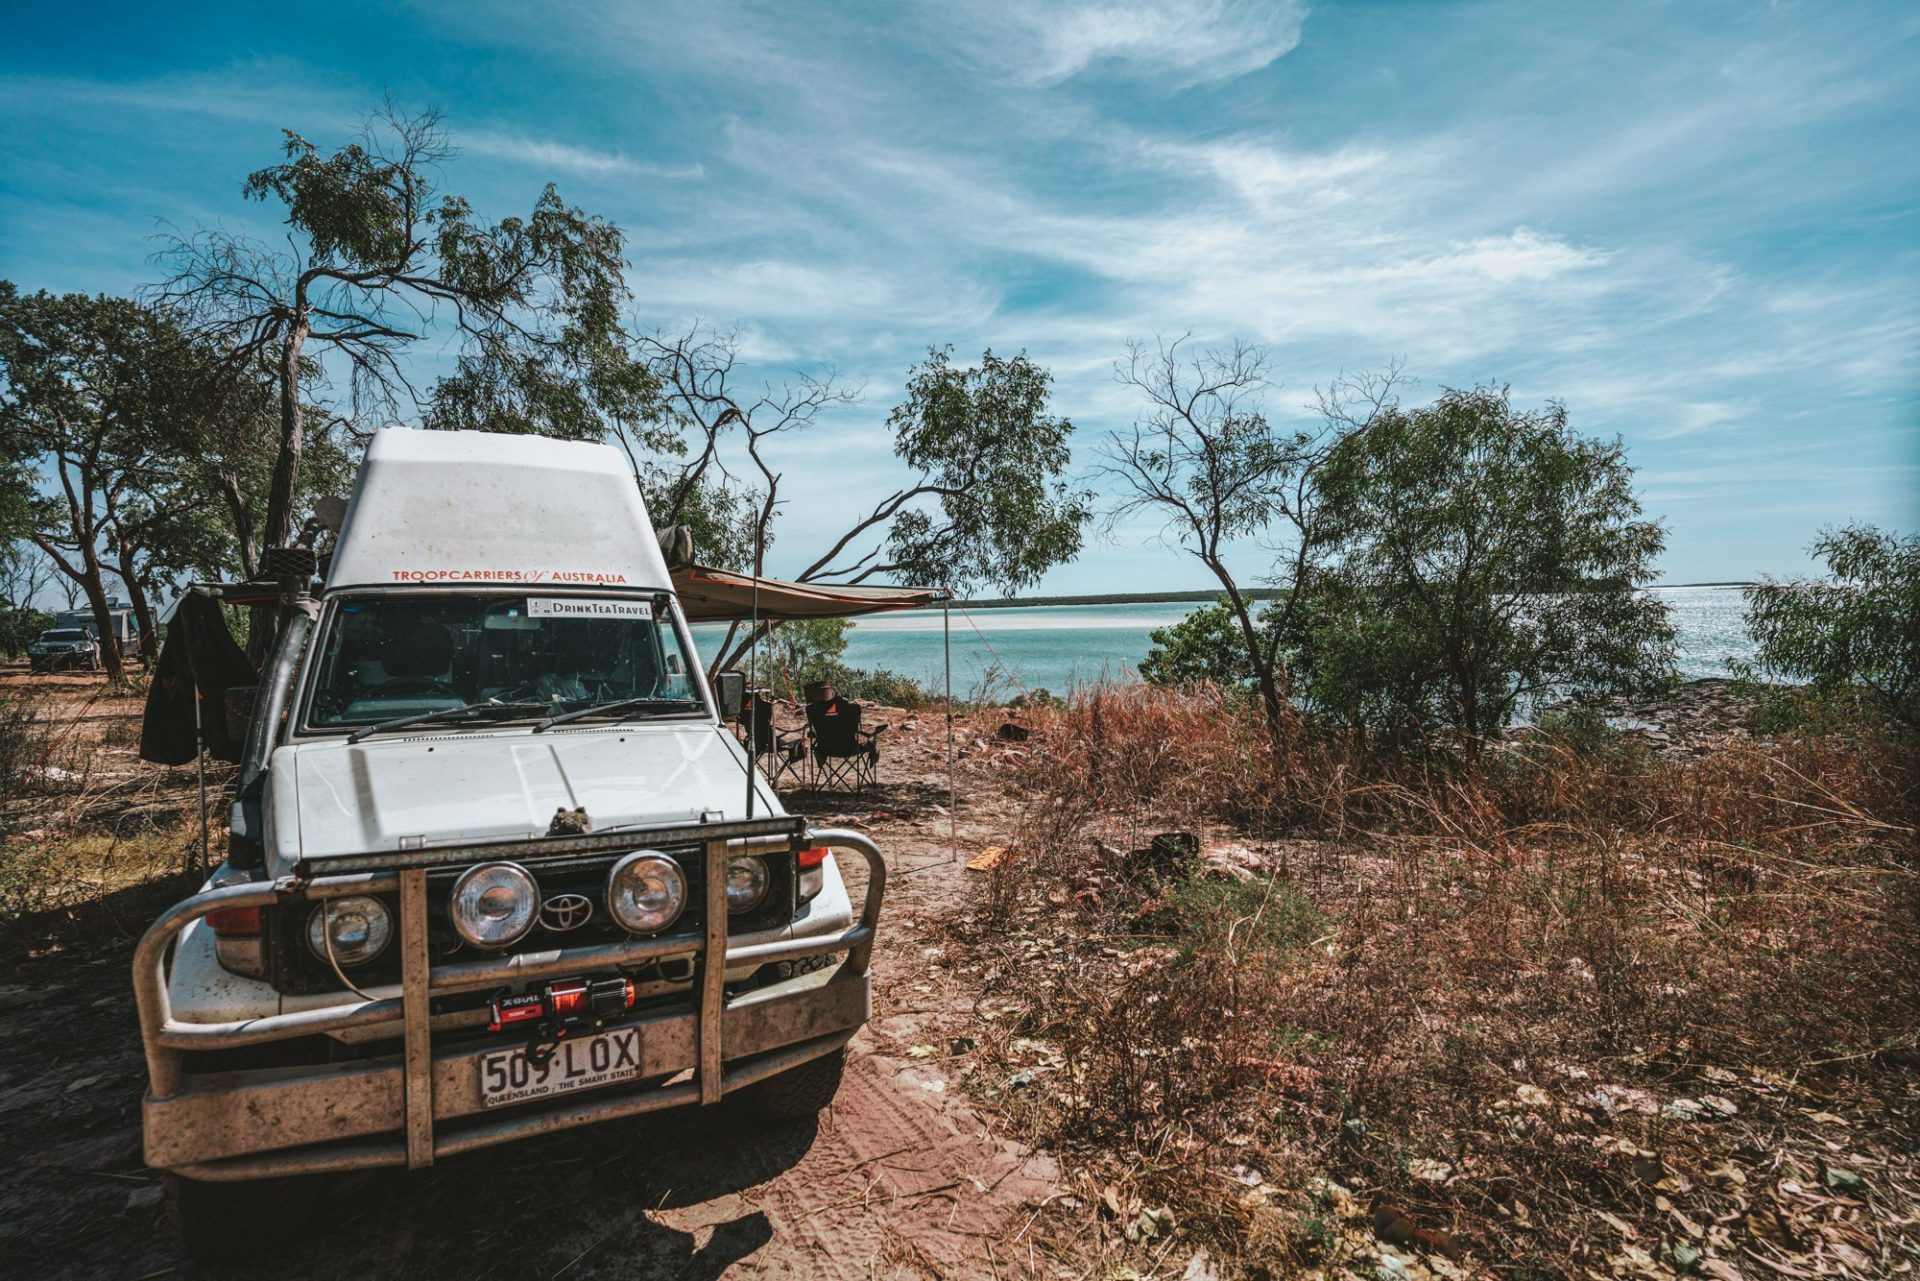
x=340, y=1116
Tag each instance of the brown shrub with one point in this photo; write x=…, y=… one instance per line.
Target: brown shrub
x=1557, y=919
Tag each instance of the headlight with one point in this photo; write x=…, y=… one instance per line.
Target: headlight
x=646, y=892
x=747, y=881
x=493, y=905
x=359, y=927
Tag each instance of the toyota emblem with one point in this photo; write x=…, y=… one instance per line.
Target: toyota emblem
x=566, y=911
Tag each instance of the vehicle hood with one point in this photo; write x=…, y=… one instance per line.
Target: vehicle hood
x=448, y=788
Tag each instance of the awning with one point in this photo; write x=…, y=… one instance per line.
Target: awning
x=706, y=596
x=722, y=596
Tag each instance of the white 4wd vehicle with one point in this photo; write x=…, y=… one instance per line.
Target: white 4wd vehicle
x=498, y=867
x=62, y=647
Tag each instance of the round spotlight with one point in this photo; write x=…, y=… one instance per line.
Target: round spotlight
x=494, y=905
x=646, y=892
x=359, y=928
x=747, y=882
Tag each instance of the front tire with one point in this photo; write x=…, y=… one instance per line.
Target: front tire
x=229, y=1222
x=799, y=1092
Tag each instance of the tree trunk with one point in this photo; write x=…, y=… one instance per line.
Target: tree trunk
x=242, y=524
x=278, y=527
x=142, y=610
x=286, y=463
x=1263, y=669
x=96, y=593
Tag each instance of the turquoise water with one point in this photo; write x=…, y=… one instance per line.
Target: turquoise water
x=1000, y=652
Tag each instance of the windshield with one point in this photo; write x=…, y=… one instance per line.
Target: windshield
x=64, y=636
x=387, y=657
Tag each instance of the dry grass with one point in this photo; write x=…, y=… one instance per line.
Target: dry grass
x=1578, y=1011
x=92, y=840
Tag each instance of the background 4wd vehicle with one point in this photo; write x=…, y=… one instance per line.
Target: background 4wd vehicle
x=63, y=647
x=497, y=864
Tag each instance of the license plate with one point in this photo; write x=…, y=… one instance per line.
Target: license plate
x=510, y=1076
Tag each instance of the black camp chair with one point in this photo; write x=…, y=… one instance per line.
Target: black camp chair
x=777, y=753
x=844, y=755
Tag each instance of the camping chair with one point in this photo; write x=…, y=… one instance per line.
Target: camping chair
x=844, y=755
x=777, y=753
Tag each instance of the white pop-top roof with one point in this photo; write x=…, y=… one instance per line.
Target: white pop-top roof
x=466, y=507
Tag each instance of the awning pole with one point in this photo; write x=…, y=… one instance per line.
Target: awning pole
x=200, y=768
x=946, y=646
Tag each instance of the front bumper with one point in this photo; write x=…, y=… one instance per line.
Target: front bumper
x=424, y=1103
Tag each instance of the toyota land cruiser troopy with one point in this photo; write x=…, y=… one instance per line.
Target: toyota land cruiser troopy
x=497, y=864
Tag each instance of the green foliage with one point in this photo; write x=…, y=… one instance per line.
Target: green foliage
x=796, y=654
x=719, y=515
x=991, y=458
x=377, y=258
x=99, y=399
x=1206, y=645
x=1485, y=556
x=1216, y=914
x=19, y=625
x=799, y=652
x=1581, y=734
x=1856, y=634
x=882, y=687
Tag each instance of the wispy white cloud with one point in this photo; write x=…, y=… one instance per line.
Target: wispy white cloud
x=1182, y=41
x=548, y=155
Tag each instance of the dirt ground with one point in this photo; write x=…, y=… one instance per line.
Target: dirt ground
x=902, y=1177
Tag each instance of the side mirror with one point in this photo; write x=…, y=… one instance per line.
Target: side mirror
x=730, y=688
x=239, y=709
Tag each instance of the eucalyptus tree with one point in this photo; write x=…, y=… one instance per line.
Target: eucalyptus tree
x=1853, y=633
x=1225, y=482
x=92, y=396
x=376, y=258
x=982, y=495
x=1482, y=556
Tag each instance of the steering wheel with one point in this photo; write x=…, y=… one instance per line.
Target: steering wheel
x=412, y=685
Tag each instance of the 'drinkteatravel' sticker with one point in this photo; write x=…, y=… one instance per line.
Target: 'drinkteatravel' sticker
x=586, y=607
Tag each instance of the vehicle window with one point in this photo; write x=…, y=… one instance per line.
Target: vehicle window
x=65, y=635
x=389, y=656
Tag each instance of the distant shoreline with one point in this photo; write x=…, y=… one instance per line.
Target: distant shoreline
x=1193, y=597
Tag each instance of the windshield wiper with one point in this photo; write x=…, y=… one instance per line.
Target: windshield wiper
x=607, y=709
x=445, y=714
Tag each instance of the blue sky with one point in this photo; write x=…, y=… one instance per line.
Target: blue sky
x=1698, y=224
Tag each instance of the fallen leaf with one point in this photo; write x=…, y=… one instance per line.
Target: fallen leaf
x=1201, y=1267
x=920, y=1052
x=1635, y=1262
x=1765, y=1224
x=1614, y=1099
x=1533, y=1096
x=1621, y=1226
x=1728, y=1173
x=987, y=859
